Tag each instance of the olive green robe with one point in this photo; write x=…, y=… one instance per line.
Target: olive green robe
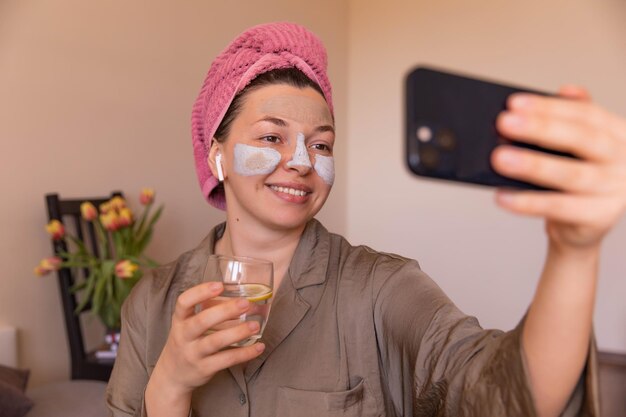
x=351, y=332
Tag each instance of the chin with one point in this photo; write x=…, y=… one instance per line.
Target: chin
x=289, y=221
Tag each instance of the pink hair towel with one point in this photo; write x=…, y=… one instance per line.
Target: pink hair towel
x=257, y=50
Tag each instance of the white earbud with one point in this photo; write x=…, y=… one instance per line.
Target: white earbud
x=218, y=163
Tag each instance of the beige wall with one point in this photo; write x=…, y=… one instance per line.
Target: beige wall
x=97, y=96
x=487, y=260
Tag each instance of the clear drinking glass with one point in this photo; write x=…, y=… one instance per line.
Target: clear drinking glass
x=242, y=278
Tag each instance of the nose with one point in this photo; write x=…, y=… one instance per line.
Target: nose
x=300, y=160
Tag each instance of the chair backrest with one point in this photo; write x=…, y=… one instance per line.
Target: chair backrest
x=84, y=365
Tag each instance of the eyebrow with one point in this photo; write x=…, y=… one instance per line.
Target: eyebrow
x=325, y=128
x=274, y=120
x=281, y=123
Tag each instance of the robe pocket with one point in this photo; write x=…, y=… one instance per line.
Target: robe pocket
x=304, y=403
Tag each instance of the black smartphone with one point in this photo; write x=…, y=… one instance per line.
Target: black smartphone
x=450, y=127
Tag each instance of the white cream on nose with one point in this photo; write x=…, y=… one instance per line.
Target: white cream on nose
x=251, y=160
x=300, y=156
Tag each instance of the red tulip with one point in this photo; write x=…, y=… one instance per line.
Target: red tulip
x=125, y=217
x=125, y=269
x=48, y=265
x=88, y=211
x=55, y=229
x=117, y=203
x=40, y=272
x=147, y=196
x=110, y=220
x=105, y=207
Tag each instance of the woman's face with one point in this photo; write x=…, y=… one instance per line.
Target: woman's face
x=277, y=158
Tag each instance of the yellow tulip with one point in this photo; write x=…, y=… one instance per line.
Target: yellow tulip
x=110, y=220
x=88, y=211
x=55, y=229
x=125, y=269
x=147, y=196
x=105, y=207
x=53, y=263
x=117, y=203
x=48, y=265
x=40, y=272
x=125, y=217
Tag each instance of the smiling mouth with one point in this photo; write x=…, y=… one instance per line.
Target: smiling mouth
x=288, y=190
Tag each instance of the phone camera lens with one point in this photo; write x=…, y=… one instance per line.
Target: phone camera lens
x=429, y=157
x=446, y=139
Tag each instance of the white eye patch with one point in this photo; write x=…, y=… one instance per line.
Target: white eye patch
x=250, y=160
x=325, y=168
x=300, y=156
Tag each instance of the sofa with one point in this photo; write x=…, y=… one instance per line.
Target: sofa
x=66, y=398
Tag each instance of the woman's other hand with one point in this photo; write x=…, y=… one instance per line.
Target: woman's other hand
x=590, y=194
x=190, y=357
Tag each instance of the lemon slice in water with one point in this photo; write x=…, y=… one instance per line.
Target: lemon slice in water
x=257, y=292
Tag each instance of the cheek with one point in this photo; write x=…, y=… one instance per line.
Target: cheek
x=250, y=160
x=325, y=168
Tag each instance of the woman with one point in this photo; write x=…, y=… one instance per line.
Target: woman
x=354, y=332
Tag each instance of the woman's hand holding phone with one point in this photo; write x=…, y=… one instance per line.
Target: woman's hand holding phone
x=590, y=195
x=190, y=357
x=587, y=197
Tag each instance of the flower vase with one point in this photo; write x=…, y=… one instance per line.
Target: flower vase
x=111, y=342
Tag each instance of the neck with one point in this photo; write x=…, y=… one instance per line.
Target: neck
x=242, y=238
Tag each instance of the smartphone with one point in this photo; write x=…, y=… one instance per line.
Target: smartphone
x=450, y=127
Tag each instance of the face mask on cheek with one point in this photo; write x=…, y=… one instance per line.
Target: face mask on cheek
x=250, y=160
x=324, y=165
x=325, y=168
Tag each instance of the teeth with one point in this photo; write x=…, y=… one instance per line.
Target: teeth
x=287, y=190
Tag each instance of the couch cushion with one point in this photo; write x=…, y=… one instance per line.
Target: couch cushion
x=13, y=402
x=16, y=377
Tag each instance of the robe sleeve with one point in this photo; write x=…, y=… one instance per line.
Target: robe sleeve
x=125, y=391
x=440, y=362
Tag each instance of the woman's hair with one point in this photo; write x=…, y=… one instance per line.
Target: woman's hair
x=289, y=76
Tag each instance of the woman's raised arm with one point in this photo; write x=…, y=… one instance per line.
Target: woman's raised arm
x=589, y=200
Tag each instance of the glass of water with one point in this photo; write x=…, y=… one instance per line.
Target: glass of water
x=242, y=277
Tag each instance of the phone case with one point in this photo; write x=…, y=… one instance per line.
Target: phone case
x=450, y=127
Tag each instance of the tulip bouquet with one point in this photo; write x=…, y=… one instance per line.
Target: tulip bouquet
x=112, y=273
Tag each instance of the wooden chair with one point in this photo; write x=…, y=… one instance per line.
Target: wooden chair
x=84, y=365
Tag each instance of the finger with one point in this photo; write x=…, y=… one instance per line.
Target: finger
x=549, y=171
x=575, y=92
x=224, y=338
x=565, y=208
x=580, y=111
x=231, y=357
x=559, y=134
x=187, y=301
x=211, y=317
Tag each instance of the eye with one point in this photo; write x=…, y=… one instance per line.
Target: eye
x=271, y=139
x=321, y=147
